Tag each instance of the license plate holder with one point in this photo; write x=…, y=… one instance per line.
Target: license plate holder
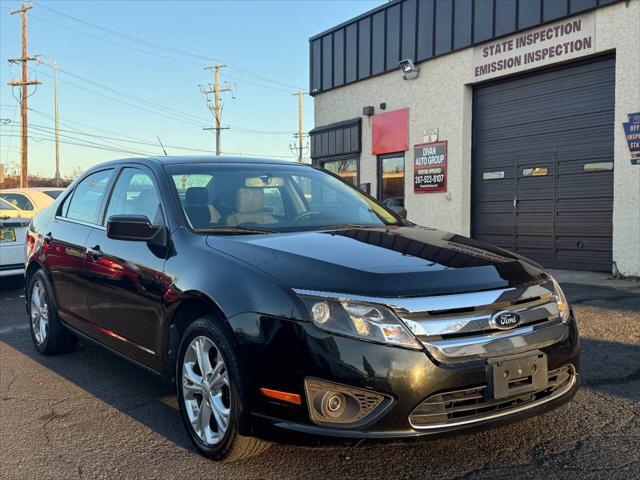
x=7, y=235
x=512, y=376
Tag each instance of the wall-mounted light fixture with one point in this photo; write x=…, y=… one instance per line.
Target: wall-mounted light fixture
x=409, y=70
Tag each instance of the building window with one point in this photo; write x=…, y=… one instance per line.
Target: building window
x=391, y=178
x=598, y=167
x=495, y=175
x=535, y=172
x=347, y=169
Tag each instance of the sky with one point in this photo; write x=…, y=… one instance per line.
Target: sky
x=129, y=72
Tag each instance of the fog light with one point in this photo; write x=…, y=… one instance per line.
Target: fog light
x=335, y=404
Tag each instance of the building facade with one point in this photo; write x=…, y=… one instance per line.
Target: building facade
x=516, y=121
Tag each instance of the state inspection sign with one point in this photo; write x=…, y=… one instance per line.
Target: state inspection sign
x=430, y=167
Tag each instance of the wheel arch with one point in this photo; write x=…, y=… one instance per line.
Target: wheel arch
x=32, y=267
x=183, y=312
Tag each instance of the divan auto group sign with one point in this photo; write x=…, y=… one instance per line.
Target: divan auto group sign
x=551, y=43
x=430, y=167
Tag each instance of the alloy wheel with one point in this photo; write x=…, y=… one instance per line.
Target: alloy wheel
x=39, y=312
x=205, y=390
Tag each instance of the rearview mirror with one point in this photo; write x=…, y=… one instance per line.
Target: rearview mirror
x=263, y=181
x=400, y=211
x=131, y=227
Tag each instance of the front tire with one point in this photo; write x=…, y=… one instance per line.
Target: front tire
x=49, y=336
x=211, y=393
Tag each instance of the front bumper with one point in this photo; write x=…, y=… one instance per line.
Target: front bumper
x=280, y=353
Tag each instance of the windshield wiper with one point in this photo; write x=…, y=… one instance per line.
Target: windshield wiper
x=343, y=226
x=238, y=230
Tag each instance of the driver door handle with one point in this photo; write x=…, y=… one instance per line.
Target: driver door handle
x=94, y=252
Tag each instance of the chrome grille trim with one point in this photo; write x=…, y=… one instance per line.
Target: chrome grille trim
x=468, y=406
x=478, y=347
x=479, y=320
x=499, y=298
x=457, y=328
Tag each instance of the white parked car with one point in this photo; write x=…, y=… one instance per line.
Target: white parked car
x=53, y=192
x=29, y=200
x=13, y=234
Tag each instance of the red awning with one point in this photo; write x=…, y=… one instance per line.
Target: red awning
x=390, y=132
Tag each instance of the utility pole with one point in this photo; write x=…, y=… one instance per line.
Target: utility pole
x=300, y=135
x=55, y=101
x=54, y=64
x=216, y=108
x=23, y=83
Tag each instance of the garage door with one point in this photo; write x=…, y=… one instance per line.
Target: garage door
x=543, y=165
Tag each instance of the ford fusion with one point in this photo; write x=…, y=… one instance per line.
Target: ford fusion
x=278, y=298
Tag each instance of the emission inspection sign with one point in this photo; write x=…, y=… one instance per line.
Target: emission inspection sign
x=430, y=167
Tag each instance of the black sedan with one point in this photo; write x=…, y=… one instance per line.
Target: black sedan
x=276, y=297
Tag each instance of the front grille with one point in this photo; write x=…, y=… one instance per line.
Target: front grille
x=461, y=328
x=469, y=405
x=435, y=325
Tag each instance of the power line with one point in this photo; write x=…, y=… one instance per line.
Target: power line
x=166, y=48
x=109, y=149
x=68, y=123
x=9, y=145
x=156, y=112
x=244, y=154
x=104, y=137
x=161, y=110
x=80, y=144
x=128, y=95
x=159, y=55
x=112, y=42
x=48, y=130
x=252, y=82
x=117, y=147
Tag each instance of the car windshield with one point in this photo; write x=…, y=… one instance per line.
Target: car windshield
x=258, y=198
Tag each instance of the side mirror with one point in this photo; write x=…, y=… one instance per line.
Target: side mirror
x=131, y=227
x=400, y=211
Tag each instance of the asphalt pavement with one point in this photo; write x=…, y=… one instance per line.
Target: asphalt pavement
x=89, y=414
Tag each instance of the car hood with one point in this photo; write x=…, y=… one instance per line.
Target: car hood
x=386, y=261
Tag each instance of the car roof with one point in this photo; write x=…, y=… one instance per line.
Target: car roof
x=48, y=189
x=195, y=159
x=34, y=194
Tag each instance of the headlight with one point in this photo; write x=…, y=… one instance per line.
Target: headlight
x=563, y=305
x=359, y=320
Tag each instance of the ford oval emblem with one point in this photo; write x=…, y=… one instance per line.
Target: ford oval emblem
x=505, y=320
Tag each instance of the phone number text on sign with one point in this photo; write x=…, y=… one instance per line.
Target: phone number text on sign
x=430, y=167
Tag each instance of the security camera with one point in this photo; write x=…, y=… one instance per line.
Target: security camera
x=409, y=70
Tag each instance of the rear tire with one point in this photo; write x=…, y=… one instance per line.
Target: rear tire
x=211, y=394
x=49, y=335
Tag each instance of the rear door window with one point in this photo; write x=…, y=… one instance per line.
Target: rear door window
x=88, y=196
x=18, y=200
